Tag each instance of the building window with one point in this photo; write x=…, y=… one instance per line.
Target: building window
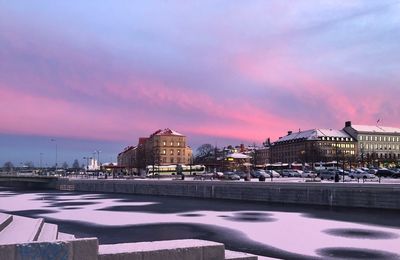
x=164, y=160
x=164, y=143
x=178, y=144
x=171, y=152
x=164, y=151
x=179, y=160
x=172, y=160
x=179, y=152
x=172, y=143
x=361, y=138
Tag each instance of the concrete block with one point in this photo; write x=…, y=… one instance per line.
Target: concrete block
x=233, y=255
x=190, y=249
x=44, y=250
x=85, y=248
x=123, y=251
x=174, y=254
x=7, y=252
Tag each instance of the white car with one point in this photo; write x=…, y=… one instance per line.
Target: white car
x=275, y=174
x=308, y=174
x=360, y=174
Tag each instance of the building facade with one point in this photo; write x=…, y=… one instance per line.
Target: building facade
x=313, y=145
x=128, y=159
x=167, y=147
x=163, y=147
x=375, y=143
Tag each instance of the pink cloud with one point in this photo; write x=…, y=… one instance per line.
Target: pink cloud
x=37, y=115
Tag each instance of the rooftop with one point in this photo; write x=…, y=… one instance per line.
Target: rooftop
x=314, y=134
x=167, y=131
x=376, y=129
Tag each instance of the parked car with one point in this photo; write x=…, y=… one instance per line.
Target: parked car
x=241, y=174
x=257, y=173
x=290, y=173
x=230, y=176
x=309, y=174
x=360, y=174
x=275, y=174
x=327, y=175
x=387, y=173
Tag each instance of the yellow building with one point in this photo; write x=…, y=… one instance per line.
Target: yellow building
x=166, y=147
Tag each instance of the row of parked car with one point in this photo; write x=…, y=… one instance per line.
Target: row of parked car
x=360, y=173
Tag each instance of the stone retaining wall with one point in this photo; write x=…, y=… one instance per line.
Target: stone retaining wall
x=364, y=195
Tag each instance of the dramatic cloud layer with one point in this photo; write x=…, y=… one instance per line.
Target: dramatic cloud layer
x=218, y=71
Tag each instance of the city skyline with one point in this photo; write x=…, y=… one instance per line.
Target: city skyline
x=97, y=76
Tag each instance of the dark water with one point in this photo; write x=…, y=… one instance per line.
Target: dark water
x=232, y=238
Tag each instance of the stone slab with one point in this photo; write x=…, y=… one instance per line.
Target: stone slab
x=233, y=255
x=191, y=249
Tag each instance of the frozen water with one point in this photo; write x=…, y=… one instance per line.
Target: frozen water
x=292, y=232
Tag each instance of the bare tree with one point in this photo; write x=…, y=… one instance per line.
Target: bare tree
x=65, y=165
x=8, y=166
x=75, y=164
x=204, y=154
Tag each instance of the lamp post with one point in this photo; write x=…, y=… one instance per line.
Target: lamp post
x=40, y=165
x=87, y=163
x=55, y=141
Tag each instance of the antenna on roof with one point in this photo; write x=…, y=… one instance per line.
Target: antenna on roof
x=377, y=121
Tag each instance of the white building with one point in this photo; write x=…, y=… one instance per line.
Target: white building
x=375, y=143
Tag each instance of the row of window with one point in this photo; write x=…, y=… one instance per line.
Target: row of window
x=379, y=138
x=172, y=160
x=343, y=139
x=171, y=143
x=381, y=156
x=343, y=145
x=352, y=152
x=171, y=152
x=367, y=146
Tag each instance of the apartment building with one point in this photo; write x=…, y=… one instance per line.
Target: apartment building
x=312, y=146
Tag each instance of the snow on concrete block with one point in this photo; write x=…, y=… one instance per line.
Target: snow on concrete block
x=233, y=255
x=121, y=256
x=191, y=249
x=44, y=250
x=192, y=253
x=85, y=248
x=7, y=252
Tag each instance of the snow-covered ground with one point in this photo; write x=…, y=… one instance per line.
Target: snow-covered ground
x=287, y=231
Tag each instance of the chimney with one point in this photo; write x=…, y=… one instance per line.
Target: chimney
x=269, y=141
x=348, y=124
x=289, y=132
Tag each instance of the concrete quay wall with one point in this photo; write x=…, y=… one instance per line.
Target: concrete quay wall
x=379, y=196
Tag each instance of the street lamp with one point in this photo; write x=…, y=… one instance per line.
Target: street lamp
x=40, y=166
x=87, y=163
x=54, y=140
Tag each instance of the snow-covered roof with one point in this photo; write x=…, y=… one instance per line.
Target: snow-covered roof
x=168, y=131
x=314, y=134
x=238, y=156
x=376, y=129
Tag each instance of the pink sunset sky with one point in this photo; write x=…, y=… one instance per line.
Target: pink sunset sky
x=98, y=75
